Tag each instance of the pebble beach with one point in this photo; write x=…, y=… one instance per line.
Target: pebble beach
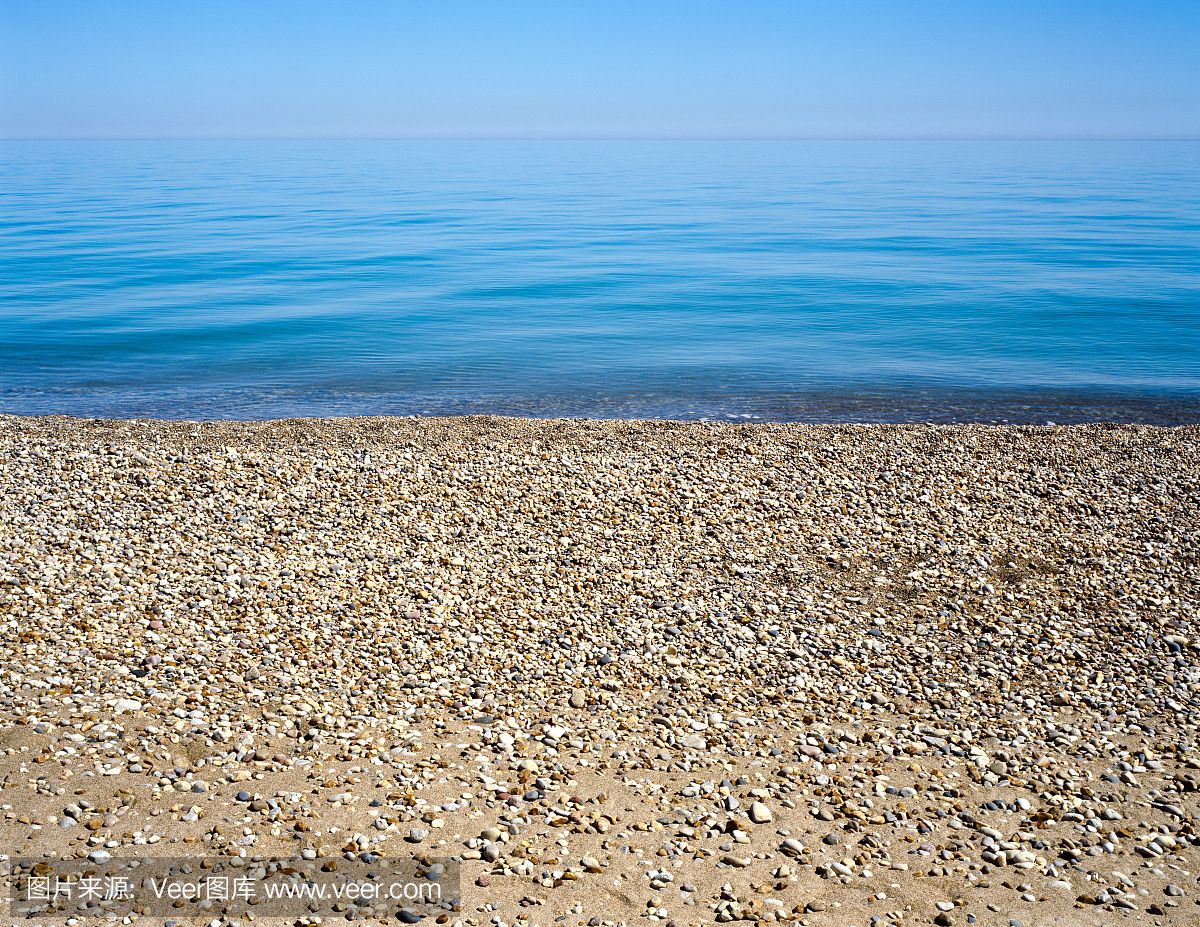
x=618, y=672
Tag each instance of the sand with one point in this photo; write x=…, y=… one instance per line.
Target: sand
x=615, y=672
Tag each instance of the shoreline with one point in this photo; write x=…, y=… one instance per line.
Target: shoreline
x=618, y=670
x=477, y=417
x=945, y=406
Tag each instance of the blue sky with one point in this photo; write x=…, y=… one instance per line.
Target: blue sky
x=656, y=68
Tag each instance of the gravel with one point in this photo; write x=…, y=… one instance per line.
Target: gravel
x=623, y=671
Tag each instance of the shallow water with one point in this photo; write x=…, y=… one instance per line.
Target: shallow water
x=826, y=281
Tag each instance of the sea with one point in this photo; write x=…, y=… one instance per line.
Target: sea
x=810, y=281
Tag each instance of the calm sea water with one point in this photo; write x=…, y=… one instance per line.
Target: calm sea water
x=869, y=281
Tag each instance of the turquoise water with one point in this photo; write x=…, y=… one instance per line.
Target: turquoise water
x=869, y=281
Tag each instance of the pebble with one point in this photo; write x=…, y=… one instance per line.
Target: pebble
x=952, y=662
